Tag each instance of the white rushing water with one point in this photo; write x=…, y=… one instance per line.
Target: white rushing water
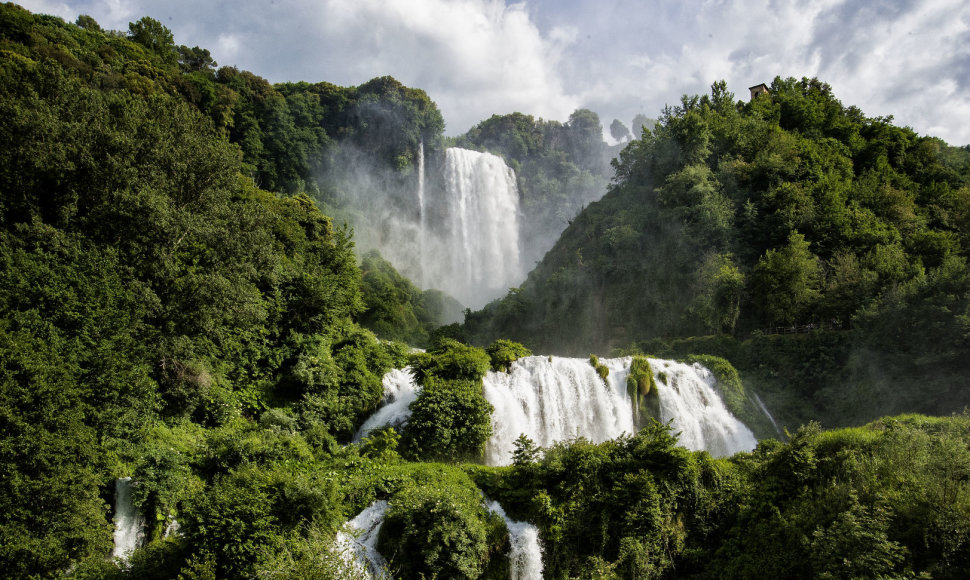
x=767, y=414
x=552, y=399
x=129, y=525
x=399, y=392
x=688, y=398
x=358, y=544
x=525, y=553
x=480, y=239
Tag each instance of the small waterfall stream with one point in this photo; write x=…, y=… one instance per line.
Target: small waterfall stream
x=358, y=545
x=525, y=555
x=129, y=525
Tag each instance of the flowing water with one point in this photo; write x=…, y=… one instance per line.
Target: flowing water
x=525, y=553
x=552, y=399
x=129, y=525
x=481, y=235
x=767, y=414
x=399, y=392
x=688, y=398
x=358, y=544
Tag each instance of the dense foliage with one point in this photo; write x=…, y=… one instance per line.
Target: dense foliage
x=788, y=213
x=451, y=420
x=886, y=500
x=396, y=309
x=175, y=310
x=147, y=282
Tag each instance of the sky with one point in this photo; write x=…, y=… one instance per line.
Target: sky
x=475, y=58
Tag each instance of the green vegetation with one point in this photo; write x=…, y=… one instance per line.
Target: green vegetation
x=863, y=502
x=450, y=420
x=601, y=369
x=395, y=309
x=505, y=352
x=642, y=389
x=176, y=308
x=442, y=529
x=791, y=217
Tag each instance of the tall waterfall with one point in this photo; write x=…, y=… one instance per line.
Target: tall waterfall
x=129, y=525
x=422, y=209
x=480, y=258
x=525, y=555
x=552, y=399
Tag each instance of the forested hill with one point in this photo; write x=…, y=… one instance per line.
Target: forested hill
x=149, y=290
x=749, y=219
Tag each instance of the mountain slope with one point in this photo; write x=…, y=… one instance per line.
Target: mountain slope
x=790, y=212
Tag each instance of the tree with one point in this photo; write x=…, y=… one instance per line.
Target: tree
x=196, y=59
x=154, y=36
x=88, y=23
x=640, y=122
x=619, y=131
x=720, y=286
x=786, y=281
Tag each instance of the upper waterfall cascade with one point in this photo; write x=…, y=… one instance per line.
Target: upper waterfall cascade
x=481, y=236
x=552, y=399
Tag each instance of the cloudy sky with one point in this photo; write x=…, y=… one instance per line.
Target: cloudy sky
x=906, y=58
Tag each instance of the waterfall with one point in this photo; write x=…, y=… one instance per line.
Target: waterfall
x=688, y=398
x=480, y=239
x=767, y=414
x=525, y=555
x=422, y=212
x=552, y=399
x=129, y=525
x=399, y=392
x=358, y=545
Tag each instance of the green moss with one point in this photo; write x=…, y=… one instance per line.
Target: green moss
x=505, y=352
x=728, y=381
x=601, y=369
x=641, y=376
x=642, y=388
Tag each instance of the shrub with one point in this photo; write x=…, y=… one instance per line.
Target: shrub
x=505, y=352
x=450, y=360
x=441, y=531
x=450, y=421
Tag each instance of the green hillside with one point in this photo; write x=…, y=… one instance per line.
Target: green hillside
x=747, y=221
x=176, y=309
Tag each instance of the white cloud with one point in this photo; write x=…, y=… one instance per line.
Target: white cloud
x=908, y=58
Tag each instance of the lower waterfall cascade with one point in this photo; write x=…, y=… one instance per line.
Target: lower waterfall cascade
x=525, y=555
x=129, y=531
x=358, y=545
x=552, y=399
